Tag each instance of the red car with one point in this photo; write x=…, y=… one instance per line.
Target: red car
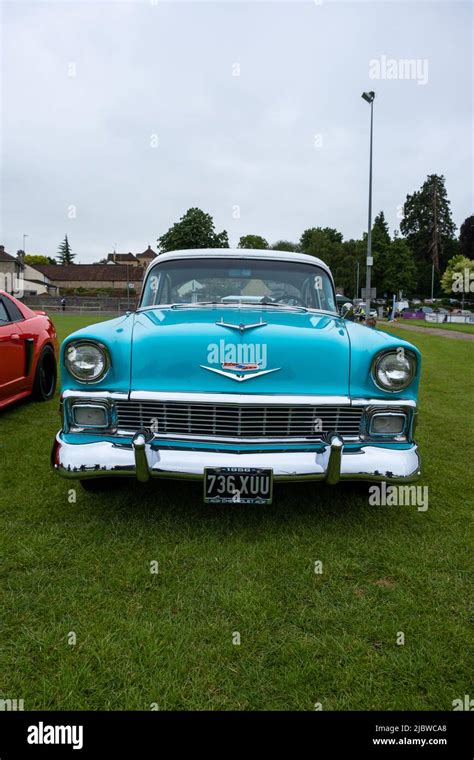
x=28, y=352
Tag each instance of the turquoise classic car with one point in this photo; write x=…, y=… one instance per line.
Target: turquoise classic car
x=237, y=369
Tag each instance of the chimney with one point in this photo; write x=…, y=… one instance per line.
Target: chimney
x=2, y=249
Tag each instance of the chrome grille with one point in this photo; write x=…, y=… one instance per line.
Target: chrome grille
x=238, y=420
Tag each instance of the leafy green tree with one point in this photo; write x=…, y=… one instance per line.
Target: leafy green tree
x=429, y=229
x=326, y=244
x=194, y=230
x=315, y=234
x=253, y=241
x=65, y=254
x=458, y=279
x=398, y=268
x=36, y=258
x=354, y=253
x=466, y=238
x=285, y=245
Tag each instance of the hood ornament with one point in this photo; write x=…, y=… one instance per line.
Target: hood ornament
x=241, y=328
x=239, y=376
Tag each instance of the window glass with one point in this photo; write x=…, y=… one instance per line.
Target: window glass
x=13, y=310
x=233, y=281
x=3, y=314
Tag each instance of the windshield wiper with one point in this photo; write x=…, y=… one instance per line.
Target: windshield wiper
x=239, y=304
x=190, y=305
x=278, y=305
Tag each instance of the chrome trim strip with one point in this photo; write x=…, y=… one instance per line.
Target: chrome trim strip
x=259, y=399
x=211, y=439
x=385, y=402
x=92, y=395
x=266, y=399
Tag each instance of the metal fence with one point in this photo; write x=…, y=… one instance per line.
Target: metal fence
x=81, y=304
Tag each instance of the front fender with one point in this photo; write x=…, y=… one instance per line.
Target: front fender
x=116, y=336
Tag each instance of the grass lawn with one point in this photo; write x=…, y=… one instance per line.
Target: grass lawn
x=167, y=638
x=435, y=326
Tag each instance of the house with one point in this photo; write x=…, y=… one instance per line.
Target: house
x=35, y=283
x=136, y=260
x=21, y=279
x=93, y=276
x=11, y=271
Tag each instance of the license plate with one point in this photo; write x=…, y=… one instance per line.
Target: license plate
x=238, y=485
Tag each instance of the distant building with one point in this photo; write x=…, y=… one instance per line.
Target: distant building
x=93, y=276
x=136, y=260
x=11, y=271
x=21, y=279
x=121, y=272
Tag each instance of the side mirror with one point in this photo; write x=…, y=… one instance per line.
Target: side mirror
x=347, y=311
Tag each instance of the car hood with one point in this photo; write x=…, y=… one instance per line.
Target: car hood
x=203, y=350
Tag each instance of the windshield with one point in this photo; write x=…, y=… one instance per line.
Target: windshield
x=239, y=281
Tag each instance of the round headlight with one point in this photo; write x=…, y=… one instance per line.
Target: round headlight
x=86, y=361
x=394, y=370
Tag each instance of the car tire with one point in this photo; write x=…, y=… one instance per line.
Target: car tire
x=46, y=375
x=98, y=485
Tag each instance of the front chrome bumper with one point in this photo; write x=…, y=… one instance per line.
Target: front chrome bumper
x=144, y=460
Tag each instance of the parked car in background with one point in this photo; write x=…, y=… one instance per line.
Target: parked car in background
x=237, y=370
x=400, y=305
x=359, y=313
x=416, y=313
x=28, y=352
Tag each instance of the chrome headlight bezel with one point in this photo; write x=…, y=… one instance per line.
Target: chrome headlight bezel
x=95, y=344
x=413, y=366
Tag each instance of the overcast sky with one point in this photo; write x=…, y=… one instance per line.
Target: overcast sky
x=119, y=116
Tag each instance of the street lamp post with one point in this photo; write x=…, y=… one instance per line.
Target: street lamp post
x=369, y=97
x=128, y=289
x=24, y=242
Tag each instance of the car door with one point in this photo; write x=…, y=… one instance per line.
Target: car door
x=12, y=354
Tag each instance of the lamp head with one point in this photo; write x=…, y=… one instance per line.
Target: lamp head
x=368, y=96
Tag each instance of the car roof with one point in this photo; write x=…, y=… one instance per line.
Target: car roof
x=241, y=253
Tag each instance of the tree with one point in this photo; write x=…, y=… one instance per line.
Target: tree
x=194, y=230
x=253, y=241
x=312, y=234
x=380, y=231
x=326, y=243
x=429, y=229
x=398, y=268
x=355, y=253
x=466, y=238
x=36, y=258
x=285, y=245
x=380, y=243
x=65, y=254
x=458, y=278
